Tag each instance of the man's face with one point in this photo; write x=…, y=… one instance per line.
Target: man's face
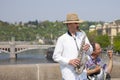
x=73, y=26
x=97, y=49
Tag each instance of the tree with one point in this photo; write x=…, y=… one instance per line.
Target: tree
x=91, y=36
x=116, y=43
x=103, y=40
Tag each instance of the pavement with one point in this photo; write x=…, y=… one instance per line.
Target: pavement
x=115, y=79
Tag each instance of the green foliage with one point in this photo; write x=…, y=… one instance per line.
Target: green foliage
x=103, y=40
x=91, y=36
x=31, y=31
x=47, y=30
x=116, y=43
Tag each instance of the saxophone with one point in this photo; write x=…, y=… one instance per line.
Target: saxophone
x=83, y=58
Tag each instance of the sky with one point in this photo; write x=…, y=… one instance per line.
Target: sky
x=52, y=10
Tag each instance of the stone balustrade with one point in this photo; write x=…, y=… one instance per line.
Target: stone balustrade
x=30, y=72
x=44, y=71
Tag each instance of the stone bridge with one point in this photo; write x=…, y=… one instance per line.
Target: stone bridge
x=14, y=49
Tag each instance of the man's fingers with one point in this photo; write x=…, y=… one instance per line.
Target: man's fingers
x=86, y=47
x=75, y=62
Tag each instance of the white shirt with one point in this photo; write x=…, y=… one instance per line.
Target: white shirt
x=65, y=50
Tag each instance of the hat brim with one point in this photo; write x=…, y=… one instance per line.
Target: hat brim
x=81, y=21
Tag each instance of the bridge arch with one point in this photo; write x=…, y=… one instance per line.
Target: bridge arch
x=13, y=50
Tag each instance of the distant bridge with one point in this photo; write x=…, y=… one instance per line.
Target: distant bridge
x=14, y=49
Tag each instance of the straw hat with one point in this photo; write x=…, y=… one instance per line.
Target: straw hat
x=72, y=18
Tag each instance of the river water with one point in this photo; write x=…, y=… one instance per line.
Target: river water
x=28, y=57
x=35, y=57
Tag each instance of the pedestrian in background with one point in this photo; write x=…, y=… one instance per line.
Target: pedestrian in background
x=97, y=69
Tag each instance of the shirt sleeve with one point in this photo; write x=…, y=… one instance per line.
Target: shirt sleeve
x=57, y=55
x=104, y=65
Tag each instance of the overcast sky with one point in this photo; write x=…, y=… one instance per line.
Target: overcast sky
x=52, y=10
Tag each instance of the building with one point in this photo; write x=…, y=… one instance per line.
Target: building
x=111, y=29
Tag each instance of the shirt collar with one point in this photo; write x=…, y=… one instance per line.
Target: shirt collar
x=70, y=33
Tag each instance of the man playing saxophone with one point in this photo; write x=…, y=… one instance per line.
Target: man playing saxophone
x=68, y=46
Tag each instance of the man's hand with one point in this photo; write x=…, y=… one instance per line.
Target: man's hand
x=86, y=47
x=97, y=69
x=74, y=62
x=94, y=70
x=110, y=53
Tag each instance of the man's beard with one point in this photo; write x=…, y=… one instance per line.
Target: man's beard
x=78, y=28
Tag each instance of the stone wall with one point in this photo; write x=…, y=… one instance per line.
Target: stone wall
x=30, y=72
x=43, y=71
x=116, y=70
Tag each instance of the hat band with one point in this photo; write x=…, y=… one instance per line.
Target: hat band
x=73, y=20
